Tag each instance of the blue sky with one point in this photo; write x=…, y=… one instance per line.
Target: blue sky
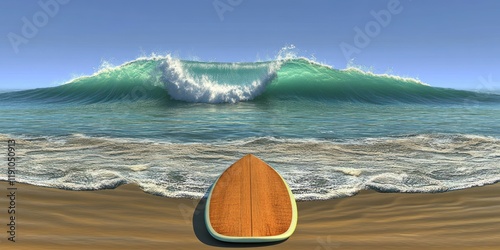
x=443, y=43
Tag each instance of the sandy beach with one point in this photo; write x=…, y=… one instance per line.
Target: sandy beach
x=128, y=218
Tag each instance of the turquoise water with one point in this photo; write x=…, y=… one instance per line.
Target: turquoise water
x=173, y=126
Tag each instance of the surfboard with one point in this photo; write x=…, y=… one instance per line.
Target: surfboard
x=250, y=202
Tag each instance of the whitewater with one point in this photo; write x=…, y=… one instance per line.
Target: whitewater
x=172, y=126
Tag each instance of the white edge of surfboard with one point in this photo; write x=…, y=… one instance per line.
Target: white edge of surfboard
x=261, y=239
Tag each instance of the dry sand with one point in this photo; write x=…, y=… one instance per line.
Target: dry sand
x=127, y=218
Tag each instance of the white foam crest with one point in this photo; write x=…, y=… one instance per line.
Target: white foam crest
x=332, y=194
x=139, y=167
x=289, y=53
x=184, y=87
x=107, y=67
x=351, y=171
x=369, y=71
x=83, y=180
x=160, y=190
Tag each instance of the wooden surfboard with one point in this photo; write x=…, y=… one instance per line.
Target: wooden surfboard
x=250, y=202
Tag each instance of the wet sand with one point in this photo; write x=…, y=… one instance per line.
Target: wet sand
x=128, y=218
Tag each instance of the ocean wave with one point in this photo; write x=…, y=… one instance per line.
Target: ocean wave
x=166, y=79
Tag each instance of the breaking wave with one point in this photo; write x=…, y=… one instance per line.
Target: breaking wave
x=169, y=79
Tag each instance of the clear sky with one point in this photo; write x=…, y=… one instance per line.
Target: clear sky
x=443, y=43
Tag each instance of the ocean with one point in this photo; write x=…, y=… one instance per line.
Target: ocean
x=173, y=126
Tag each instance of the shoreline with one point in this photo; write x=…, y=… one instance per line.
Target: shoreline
x=128, y=218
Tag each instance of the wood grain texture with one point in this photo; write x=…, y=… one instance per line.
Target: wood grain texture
x=250, y=199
